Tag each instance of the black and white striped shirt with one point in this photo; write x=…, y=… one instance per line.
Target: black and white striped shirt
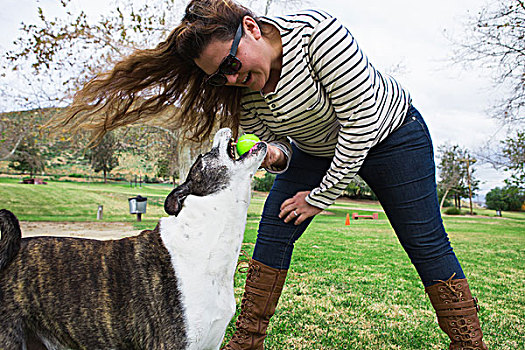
x=330, y=101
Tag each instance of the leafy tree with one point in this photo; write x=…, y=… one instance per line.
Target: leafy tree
x=103, y=157
x=451, y=170
x=27, y=158
x=454, y=177
x=507, y=198
x=162, y=168
x=359, y=189
x=16, y=127
x=514, y=152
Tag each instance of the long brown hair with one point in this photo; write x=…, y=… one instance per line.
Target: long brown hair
x=146, y=82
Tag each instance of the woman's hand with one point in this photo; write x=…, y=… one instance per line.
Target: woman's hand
x=274, y=158
x=298, y=209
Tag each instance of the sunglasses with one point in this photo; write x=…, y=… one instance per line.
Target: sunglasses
x=229, y=65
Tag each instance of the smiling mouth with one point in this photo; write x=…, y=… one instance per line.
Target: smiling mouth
x=248, y=76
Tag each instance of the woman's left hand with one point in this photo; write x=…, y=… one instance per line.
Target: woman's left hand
x=298, y=209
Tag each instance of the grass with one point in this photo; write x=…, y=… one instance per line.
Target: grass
x=72, y=201
x=349, y=287
x=353, y=287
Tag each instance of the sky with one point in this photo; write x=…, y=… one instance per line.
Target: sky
x=411, y=34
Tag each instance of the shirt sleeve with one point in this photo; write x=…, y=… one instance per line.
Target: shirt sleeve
x=251, y=124
x=340, y=66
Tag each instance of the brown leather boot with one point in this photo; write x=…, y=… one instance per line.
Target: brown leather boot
x=457, y=313
x=261, y=294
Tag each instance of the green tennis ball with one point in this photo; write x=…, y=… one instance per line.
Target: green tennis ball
x=246, y=142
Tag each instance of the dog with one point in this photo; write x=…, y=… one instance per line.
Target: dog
x=167, y=288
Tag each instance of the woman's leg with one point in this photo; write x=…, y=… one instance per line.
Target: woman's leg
x=273, y=251
x=401, y=172
x=275, y=239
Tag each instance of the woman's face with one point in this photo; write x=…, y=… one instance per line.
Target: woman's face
x=252, y=52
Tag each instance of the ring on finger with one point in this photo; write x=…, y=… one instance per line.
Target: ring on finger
x=295, y=213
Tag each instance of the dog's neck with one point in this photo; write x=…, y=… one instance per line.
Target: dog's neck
x=206, y=226
x=204, y=242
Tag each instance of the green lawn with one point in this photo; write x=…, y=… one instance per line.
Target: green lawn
x=353, y=287
x=349, y=287
x=72, y=201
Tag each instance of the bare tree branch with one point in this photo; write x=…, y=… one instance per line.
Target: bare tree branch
x=13, y=149
x=495, y=38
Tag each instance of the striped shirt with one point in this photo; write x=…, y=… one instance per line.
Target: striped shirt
x=329, y=101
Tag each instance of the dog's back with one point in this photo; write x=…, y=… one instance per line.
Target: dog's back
x=71, y=292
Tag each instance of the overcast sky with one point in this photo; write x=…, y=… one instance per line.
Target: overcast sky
x=410, y=33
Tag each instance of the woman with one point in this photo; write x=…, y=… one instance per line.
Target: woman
x=301, y=78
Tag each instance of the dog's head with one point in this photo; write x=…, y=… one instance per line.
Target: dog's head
x=216, y=170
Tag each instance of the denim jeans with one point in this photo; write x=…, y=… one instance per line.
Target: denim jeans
x=401, y=172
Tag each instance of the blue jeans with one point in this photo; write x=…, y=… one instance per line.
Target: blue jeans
x=401, y=172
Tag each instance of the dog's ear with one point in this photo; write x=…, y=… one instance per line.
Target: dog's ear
x=174, y=201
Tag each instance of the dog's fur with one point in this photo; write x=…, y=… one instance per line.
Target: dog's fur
x=170, y=288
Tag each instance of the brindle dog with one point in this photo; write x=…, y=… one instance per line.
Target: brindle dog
x=169, y=288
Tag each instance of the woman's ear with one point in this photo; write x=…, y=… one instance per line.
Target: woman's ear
x=251, y=27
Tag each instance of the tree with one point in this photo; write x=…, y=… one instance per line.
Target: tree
x=168, y=157
x=18, y=126
x=56, y=55
x=507, y=198
x=454, y=177
x=103, y=157
x=27, y=157
x=514, y=152
x=495, y=38
x=450, y=170
x=359, y=189
x=507, y=155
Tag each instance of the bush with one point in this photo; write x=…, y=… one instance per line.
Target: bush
x=264, y=184
x=453, y=211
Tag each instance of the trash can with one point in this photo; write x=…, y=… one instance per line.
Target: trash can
x=137, y=205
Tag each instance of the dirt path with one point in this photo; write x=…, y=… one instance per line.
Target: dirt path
x=96, y=230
